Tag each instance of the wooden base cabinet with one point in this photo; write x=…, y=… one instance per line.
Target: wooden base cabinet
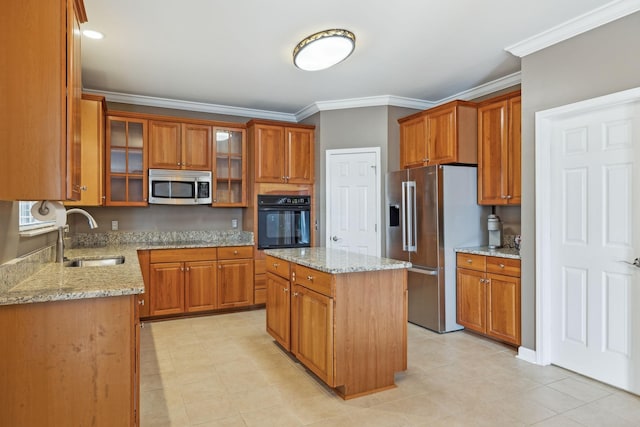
x=70, y=363
x=488, y=296
x=349, y=329
x=179, y=281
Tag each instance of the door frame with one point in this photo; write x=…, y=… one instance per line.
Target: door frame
x=327, y=208
x=543, y=133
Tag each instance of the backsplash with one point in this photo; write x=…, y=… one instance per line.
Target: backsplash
x=83, y=240
x=16, y=270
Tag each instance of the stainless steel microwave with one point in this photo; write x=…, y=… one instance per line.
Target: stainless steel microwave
x=178, y=187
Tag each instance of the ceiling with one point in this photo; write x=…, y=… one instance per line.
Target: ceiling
x=238, y=53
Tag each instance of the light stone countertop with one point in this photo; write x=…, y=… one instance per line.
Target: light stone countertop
x=336, y=261
x=485, y=250
x=56, y=282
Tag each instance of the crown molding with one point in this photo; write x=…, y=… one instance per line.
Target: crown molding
x=311, y=109
x=151, y=101
x=485, y=89
x=573, y=27
x=369, y=101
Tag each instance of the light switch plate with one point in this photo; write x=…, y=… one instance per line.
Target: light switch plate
x=114, y=225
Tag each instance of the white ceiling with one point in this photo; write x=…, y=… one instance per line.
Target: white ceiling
x=238, y=53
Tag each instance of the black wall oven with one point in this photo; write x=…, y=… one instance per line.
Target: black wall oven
x=284, y=221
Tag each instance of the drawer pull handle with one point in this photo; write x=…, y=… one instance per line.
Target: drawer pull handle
x=286, y=289
x=481, y=280
x=295, y=294
x=501, y=265
x=141, y=302
x=469, y=261
x=235, y=252
x=310, y=278
x=275, y=265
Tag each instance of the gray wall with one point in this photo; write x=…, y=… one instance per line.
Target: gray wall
x=599, y=62
x=354, y=128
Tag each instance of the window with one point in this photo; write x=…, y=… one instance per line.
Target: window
x=27, y=222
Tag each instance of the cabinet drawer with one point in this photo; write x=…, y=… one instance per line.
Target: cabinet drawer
x=278, y=267
x=259, y=266
x=471, y=261
x=234, y=252
x=506, y=266
x=315, y=280
x=180, y=255
x=260, y=296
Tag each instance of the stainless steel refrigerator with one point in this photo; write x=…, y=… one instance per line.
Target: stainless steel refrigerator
x=430, y=211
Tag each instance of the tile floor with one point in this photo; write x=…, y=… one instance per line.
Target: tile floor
x=225, y=370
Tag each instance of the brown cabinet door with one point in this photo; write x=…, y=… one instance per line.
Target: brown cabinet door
x=196, y=147
x=413, y=143
x=164, y=145
x=312, y=332
x=503, y=308
x=279, y=309
x=471, y=299
x=269, y=153
x=492, y=143
x=442, y=137
x=514, y=169
x=235, y=283
x=74, y=98
x=200, y=285
x=143, y=299
x=167, y=288
x=299, y=156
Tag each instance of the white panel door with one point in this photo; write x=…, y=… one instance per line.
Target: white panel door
x=353, y=201
x=595, y=198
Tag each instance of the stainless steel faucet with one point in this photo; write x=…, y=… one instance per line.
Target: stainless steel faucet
x=60, y=243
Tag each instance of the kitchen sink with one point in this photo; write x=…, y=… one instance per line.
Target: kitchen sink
x=96, y=262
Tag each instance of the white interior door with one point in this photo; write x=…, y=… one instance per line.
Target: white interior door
x=594, y=232
x=353, y=200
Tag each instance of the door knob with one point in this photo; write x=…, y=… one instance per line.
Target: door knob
x=335, y=238
x=635, y=263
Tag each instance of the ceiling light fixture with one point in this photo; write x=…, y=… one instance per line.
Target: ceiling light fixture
x=93, y=34
x=324, y=49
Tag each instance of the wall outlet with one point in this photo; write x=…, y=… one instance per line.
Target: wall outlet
x=114, y=225
x=234, y=223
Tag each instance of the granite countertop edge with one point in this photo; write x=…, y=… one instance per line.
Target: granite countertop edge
x=485, y=250
x=55, y=282
x=336, y=261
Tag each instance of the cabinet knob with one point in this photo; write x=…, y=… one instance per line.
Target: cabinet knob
x=481, y=280
x=219, y=267
x=235, y=252
x=286, y=289
x=295, y=294
x=141, y=302
x=179, y=164
x=187, y=268
x=275, y=265
x=469, y=260
x=501, y=265
x=181, y=268
x=310, y=278
x=503, y=197
x=83, y=187
x=509, y=197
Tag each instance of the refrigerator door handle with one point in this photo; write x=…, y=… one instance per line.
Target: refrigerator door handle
x=404, y=216
x=412, y=234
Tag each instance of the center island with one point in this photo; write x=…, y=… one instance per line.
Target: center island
x=343, y=315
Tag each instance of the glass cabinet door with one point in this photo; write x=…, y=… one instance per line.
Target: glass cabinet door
x=229, y=167
x=126, y=171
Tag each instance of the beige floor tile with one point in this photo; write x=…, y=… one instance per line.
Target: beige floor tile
x=225, y=370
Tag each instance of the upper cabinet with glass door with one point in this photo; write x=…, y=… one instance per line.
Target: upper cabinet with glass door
x=229, y=168
x=126, y=176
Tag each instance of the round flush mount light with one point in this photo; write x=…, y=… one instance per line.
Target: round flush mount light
x=97, y=35
x=324, y=49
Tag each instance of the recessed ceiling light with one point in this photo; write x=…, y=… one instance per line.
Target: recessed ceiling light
x=93, y=34
x=324, y=49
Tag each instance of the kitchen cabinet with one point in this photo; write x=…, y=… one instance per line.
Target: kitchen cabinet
x=182, y=280
x=230, y=167
x=488, y=296
x=70, y=363
x=175, y=145
x=235, y=276
x=326, y=321
x=278, y=301
x=92, y=137
x=41, y=87
x=282, y=153
x=499, y=150
x=126, y=162
x=441, y=135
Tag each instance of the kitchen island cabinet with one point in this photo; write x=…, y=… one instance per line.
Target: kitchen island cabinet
x=343, y=315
